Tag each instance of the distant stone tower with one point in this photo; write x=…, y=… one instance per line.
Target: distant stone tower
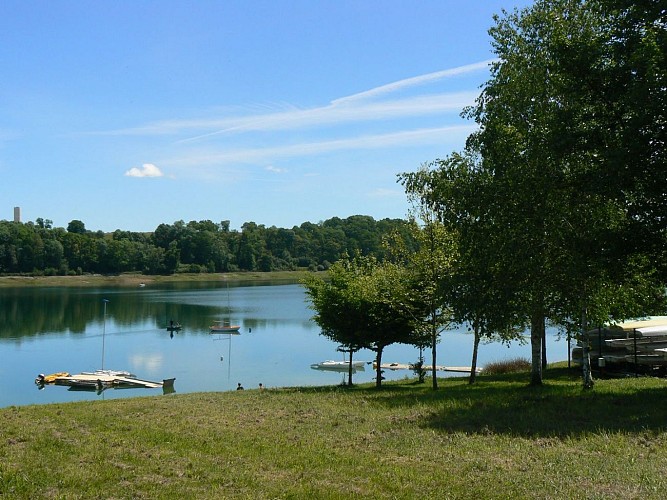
x=17, y=214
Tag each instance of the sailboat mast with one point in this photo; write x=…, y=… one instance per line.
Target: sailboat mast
x=104, y=329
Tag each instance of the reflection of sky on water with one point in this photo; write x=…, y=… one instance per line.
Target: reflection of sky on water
x=143, y=363
x=277, y=344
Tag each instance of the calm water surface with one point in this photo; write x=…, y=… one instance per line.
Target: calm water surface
x=47, y=330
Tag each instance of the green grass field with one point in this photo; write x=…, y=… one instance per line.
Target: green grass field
x=497, y=439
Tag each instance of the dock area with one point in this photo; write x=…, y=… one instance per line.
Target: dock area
x=102, y=380
x=106, y=381
x=428, y=368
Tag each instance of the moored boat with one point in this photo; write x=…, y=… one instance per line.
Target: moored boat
x=98, y=380
x=221, y=327
x=101, y=379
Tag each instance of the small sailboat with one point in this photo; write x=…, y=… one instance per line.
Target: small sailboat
x=102, y=371
x=222, y=327
x=225, y=326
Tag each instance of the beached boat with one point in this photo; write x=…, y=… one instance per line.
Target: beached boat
x=638, y=345
x=338, y=365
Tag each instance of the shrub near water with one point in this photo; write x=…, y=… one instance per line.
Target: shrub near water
x=515, y=365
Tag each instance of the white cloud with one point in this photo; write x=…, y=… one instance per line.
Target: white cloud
x=147, y=170
x=360, y=107
x=415, y=81
x=401, y=114
x=405, y=138
x=347, y=112
x=276, y=170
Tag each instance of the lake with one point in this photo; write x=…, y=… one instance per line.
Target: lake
x=47, y=330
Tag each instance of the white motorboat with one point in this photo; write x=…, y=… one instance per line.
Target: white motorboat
x=341, y=366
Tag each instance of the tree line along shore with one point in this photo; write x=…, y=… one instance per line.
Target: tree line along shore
x=136, y=279
x=40, y=249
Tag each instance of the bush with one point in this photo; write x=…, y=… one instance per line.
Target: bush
x=515, y=365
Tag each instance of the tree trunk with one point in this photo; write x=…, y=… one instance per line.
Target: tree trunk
x=536, y=329
x=349, y=370
x=586, y=353
x=422, y=372
x=378, y=368
x=434, y=341
x=475, y=350
x=544, y=349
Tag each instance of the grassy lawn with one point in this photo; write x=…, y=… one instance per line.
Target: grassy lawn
x=497, y=439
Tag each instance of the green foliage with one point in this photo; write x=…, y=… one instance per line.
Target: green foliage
x=559, y=113
x=364, y=304
x=200, y=246
x=429, y=254
x=558, y=200
x=76, y=226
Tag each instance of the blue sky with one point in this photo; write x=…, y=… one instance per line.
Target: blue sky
x=126, y=114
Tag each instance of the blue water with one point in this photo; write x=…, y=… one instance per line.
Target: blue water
x=276, y=346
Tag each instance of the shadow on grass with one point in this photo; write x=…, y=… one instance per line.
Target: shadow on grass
x=506, y=404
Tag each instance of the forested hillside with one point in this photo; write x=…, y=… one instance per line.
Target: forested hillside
x=196, y=246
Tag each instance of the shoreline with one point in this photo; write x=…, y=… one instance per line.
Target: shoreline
x=137, y=279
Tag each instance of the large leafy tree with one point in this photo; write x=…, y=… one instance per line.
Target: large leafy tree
x=564, y=205
x=429, y=253
x=627, y=84
x=517, y=112
x=363, y=304
x=337, y=310
x=432, y=269
x=473, y=290
x=559, y=112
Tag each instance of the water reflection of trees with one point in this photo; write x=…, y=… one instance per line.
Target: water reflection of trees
x=30, y=312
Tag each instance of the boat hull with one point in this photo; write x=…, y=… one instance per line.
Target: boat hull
x=339, y=366
x=225, y=329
